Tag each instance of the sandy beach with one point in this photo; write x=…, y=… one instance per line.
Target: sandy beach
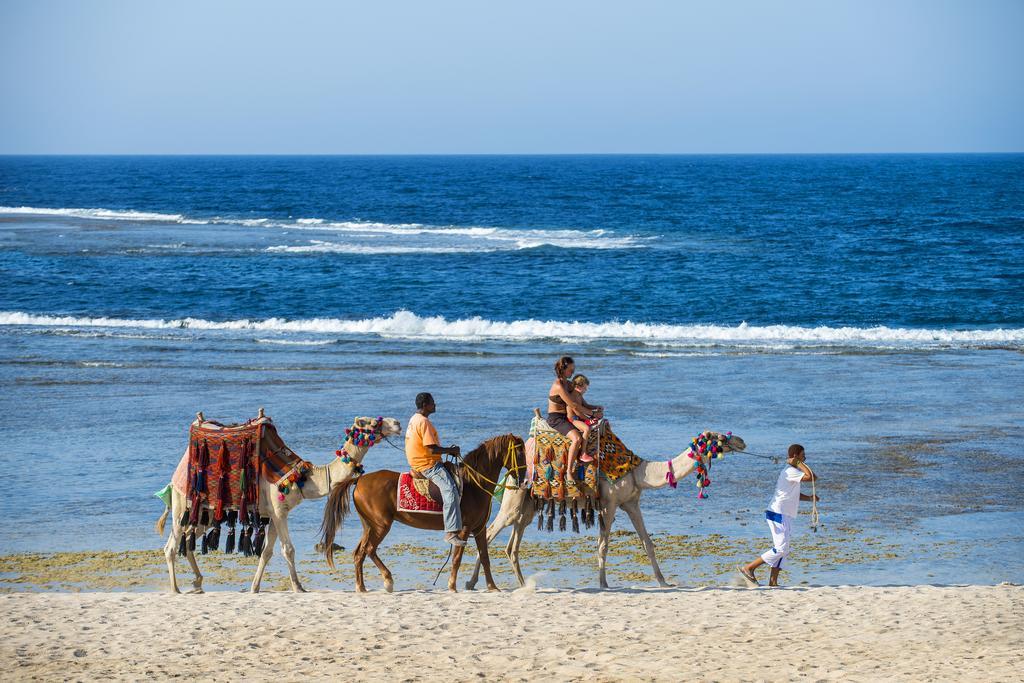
x=827, y=633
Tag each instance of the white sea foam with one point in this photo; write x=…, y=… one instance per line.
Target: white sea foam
x=99, y=214
x=296, y=342
x=407, y=325
x=452, y=236
x=323, y=247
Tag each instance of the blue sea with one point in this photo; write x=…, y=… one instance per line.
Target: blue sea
x=870, y=307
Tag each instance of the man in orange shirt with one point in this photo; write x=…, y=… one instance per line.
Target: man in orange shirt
x=423, y=450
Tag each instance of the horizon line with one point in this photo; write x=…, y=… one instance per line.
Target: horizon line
x=492, y=154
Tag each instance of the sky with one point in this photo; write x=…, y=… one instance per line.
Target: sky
x=525, y=77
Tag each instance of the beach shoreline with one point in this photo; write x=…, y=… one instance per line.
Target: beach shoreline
x=822, y=633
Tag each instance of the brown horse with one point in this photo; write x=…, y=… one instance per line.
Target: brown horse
x=376, y=499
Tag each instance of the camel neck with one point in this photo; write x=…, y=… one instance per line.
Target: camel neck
x=652, y=473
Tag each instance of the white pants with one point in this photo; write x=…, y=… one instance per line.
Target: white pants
x=780, y=541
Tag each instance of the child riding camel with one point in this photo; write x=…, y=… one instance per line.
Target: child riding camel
x=581, y=384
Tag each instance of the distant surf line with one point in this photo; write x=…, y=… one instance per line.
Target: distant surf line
x=407, y=325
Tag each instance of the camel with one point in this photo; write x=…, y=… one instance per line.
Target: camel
x=276, y=505
x=518, y=508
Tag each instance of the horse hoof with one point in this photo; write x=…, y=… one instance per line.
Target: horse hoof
x=196, y=591
x=493, y=589
x=470, y=586
x=389, y=586
x=299, y=589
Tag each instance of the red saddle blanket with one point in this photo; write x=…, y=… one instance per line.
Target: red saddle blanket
x=413, y=496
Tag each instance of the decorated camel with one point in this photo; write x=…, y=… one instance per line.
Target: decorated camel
x=611, y=492
x=245, y=474
x=384, y=497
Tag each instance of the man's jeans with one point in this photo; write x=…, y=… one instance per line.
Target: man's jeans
x=449, y=494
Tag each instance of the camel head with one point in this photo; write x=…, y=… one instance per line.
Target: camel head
x=384, y=426
x=732, y=443
x=365, y=433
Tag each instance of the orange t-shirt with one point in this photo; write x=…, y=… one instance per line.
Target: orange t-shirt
x=418, y=435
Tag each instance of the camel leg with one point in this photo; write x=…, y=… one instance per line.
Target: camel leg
x=608, y=518
x=197, y=583
x=512, y=549
x=268, y=552
x=280, y=523
x=635, y=516
x=171, y=551
x=501, y=520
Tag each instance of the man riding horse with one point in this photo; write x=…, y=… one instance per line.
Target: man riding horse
x=423, y=450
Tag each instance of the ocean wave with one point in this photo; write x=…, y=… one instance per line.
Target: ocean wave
x=296, y=342
x=407, y=325
x=97, y=214
x=454, y=235
x=322, y=247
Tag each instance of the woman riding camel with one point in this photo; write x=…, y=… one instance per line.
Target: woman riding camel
x=561, y=396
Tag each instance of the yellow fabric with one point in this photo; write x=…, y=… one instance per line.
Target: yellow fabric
x=418, y=435
x=616, y=459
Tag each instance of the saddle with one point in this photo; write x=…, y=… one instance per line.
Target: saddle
x=429, y=489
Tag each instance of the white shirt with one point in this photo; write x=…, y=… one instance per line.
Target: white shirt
x=787, y=492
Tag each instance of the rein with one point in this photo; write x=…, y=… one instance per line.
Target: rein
x=508, y=463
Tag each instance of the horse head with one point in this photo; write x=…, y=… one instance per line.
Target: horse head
x=512, y=452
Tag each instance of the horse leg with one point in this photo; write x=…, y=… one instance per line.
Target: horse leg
x=280, y=523
x=372, y=542
x=484, y=558
x=358, y=557
x=607, y=519
x=456, y=561
x=268, y=552
x=633, y=510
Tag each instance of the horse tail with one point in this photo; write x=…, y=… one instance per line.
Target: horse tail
x=335, y=511
x=159, y=527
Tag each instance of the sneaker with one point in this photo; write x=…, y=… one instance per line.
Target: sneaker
x=748, y=577
x=453, y=538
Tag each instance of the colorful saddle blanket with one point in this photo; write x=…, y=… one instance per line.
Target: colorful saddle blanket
x=414, y=495
x=226, y=462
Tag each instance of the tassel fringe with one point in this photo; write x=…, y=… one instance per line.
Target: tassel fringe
x=213, y=538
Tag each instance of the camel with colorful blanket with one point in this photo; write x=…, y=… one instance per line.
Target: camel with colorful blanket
x=245, y=475
x=616, y=478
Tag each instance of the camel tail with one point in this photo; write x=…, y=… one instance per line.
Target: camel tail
x=159, y=527
x=335, y=511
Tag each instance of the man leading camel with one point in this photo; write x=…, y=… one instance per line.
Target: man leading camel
x=423, y=450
